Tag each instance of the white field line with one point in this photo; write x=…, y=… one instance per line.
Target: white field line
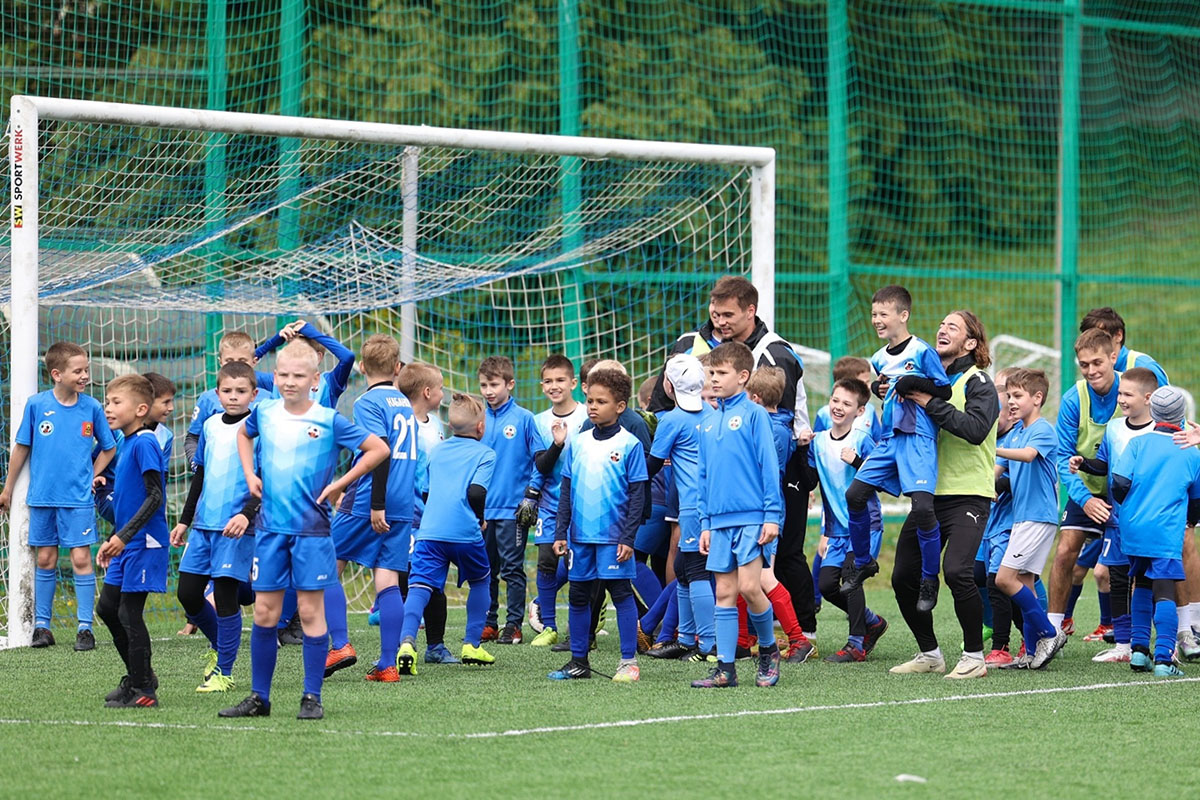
x=625, y=723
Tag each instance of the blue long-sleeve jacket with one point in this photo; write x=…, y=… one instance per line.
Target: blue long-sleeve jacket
x=739, y=470
x=1103, y=408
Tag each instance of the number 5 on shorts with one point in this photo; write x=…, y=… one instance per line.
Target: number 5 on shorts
x=254, y=570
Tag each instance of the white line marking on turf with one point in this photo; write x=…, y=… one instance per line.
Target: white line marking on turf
x=623, y=723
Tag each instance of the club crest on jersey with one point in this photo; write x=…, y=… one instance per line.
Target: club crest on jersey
x=910, y=365
x=735, y=422
x=45, y=427
x=314, y=432
x=86, y=429
x=510, y=431
x=615, y=456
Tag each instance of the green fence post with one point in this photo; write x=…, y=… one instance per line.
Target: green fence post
x=1068, y=214
x=214, y=165
x=571, y=189
x=291, y=93
x=838, y=242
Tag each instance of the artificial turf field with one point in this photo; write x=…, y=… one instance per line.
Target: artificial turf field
x=1077, y=729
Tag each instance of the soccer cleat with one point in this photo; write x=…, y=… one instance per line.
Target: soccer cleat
x=373, y=618
x=1068, y=626
x=340, y=659
x=644, y=640
x=124, y=685
x=1167, y=671
x=1187, y=648
x=627, y=672
x=1046, y=648
x=1110, y=637
x=743, y=652
x=1098, y=634
x=1139, y=661
x=490, y=634
x=210, y=663
x=476, y=655
x=310, y=707
x=546, y=638
x=385, y=675
x=601, y=621
x=998, y=658
x=874, y=634
x=800, y=651
x=535, y=617
x=252, y=706
x=511, y=634
x=768, y=668
x=134, y=698
x=563, y=645
x=572, y=670
x=1113, y=655
x=717, y=679
x=671, y=649
x=696, y=656
x=216, y=682
x=42, y=637
x=919, y=664
x=85, y=640
x=927, y=595
x=292, y=634
x=968, y=667
x=439, y=654
x=849, y=654
x=853, y=576
x=406, y=659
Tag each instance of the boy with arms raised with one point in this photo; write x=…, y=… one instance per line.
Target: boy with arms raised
x=460, y=470
x=298, y=446
x=136, y=554
x=604, y=485
x=332, y=383
x=222, y=510
x=57, y=430
x=741, y=508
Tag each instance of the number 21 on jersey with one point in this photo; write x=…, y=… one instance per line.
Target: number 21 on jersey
x=405, y=429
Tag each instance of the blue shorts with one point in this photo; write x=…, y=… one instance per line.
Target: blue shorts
x=1156, y=569
x=543, y=532
x=838, y=547
x=1073, y=519
x=672, y=506
x=689, y=531
x=982, y=553
x=62, y=527
x=995, y=551
x=589, y=562
x=217, y=556
x=431, y=559
x=139, y=569
x=286, y=561
x=1110, y=552
x=730, y=548
x=1090, y=553
x=355, y=540
x=104, y=507
x=901, y=464
x=654, y=537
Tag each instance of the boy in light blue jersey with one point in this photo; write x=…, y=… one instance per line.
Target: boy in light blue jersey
x=460, y=471
x=905, y=461
x=222, y=510
x=1030, y=459
x=513, y=436
x=741, y=509
x=1158, y=488
x=556, y=426
x=996, y=535
x=373, y=526
x=234, y=346
x=859, y=369
x=604, y=481
x=57, y=430
x=332, y=383
x=834, y=456
x=135, y=556
x=298, y=444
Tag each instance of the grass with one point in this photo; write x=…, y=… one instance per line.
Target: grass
x=468, y=730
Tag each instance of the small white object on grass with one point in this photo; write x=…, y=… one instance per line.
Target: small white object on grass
x=906, y=778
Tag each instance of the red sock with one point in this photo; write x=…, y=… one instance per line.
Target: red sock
x=781, y=604
x=744, y=639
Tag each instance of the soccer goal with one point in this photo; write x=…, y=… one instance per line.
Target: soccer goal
x=145, y=232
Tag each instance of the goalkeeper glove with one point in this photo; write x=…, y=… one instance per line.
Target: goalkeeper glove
x=527, y=511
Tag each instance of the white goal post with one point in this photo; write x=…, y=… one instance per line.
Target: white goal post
x=29, y=115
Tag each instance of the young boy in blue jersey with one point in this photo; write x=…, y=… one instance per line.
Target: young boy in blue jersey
x=600, y=507
x=58, y=428
x=373, y=526
x=996, y=535
x=298, y=445
x=556, y=426
x=1030, y=459
x=233, y=346
x=905, y=461
x=460, y=471
x=159, y=417
x=1133, y=398
x=834, y=456
x=222, y=510
x=513, y=436
x=741, y=509
x=136, y=555
x=1158, y=488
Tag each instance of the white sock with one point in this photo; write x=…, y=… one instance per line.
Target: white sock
x=1194, y=610
x=977, y=655
x=1185, y=618
x=1124, y=647
x=1057, y=620
x=934, y=653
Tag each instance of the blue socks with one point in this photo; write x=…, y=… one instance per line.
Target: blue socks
x=857, y=641
x=1166, y=623
x=336, y=616
x=670, y=620
x=816, y=576
x=229, y=639
x=477, y=605
x=685, y=627
x=85, y=596
x=930, y=542
x=873, y=618
x=547, y=597
x=646, y=585
x=860, y=536
x=391, y=620
x=703, y=603
x=658, y=609
x=418, y=598
x=1141, y=608
x=1072, y=599
x=290, y=604
x=1039, y=589
x=206, y=621
x=43, y=596
x=264, y=650
x=726, y=622
x=315, y=649
x=1105, y=599
x=580, y=619
x=764, y=626
x=627, y=620
x=1037, y=623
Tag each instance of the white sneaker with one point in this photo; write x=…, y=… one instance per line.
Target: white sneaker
x=535, y=617
x=1046, y=649
x=1114, y=655
x=919, y=664
x=967, y=667
x=1187, y=647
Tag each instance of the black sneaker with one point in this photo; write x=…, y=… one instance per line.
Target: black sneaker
x=252, y=706
x=509, y=634
x=292, y=634
x=928, y=594
x=564, y=645
x=85, y=640
x=672, y=649
x=853, y=577
x=572, y=670
x=310, y=707
x=874, y=633
x=696, y=656
x=134, y=698
x=42, y=637
x=121, y=689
